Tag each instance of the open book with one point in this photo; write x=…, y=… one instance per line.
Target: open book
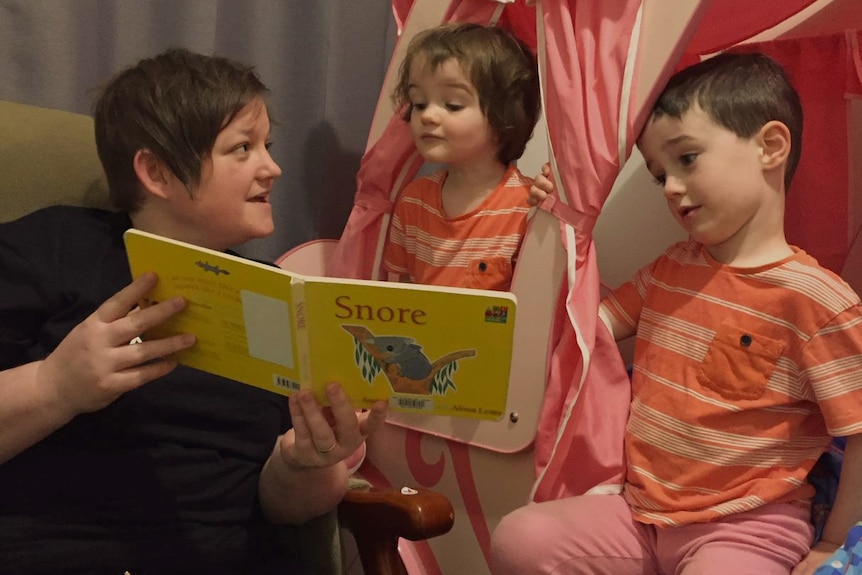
x=422, y=348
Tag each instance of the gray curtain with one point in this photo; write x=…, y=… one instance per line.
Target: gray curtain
x=324, y=61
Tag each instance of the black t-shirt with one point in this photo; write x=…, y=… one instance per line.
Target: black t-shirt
x=162, y=480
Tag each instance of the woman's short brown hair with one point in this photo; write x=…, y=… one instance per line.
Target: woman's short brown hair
x=174, y=105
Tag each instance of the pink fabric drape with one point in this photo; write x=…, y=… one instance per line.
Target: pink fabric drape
x=579, y=441
x=823, y=71
x=728, y=22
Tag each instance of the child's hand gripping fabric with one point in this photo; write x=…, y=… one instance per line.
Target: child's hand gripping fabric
x=542, y=186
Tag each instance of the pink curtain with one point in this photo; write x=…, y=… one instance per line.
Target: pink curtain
x=823, y=70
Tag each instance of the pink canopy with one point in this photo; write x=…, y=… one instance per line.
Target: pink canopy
x=603, y=62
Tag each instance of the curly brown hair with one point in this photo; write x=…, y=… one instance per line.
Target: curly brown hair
x=501, y=68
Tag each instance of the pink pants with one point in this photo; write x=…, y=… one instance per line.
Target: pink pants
x=596, y=535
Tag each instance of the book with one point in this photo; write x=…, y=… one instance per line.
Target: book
x=428, y=349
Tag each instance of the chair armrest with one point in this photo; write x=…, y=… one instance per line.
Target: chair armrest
x=377, y=517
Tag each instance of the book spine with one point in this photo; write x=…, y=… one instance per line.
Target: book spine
x=300, y=325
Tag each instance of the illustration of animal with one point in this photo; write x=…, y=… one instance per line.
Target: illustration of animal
x=405, y=353
x=402, y=360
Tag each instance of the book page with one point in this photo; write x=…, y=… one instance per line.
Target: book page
x=421, y=348
x=268, y=331
x=239, y=311
x=432, y=350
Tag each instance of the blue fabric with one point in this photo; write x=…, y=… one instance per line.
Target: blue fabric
x=824, y=477
x=847, y=560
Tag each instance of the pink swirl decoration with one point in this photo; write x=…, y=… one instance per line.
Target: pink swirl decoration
x=428, y=475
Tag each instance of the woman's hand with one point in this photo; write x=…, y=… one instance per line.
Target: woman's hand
x=324, y=436
x=95, y=363
x=306, y=475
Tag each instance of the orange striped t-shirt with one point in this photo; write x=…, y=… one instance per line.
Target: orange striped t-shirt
x=475, y=250
x=740, y=377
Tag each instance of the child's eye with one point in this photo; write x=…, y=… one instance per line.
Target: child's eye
x=454, y=107
x=242, y=148
x=268, y=145
x=659, y=179
x=687, y=159
x=418, y=106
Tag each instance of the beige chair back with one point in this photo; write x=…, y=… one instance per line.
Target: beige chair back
x=47, y=157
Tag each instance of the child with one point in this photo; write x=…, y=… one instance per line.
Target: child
x=472, y=100
x=747, y=359
x=112, y=457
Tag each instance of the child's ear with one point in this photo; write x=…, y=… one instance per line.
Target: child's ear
x=152, y=173
x=774, y=141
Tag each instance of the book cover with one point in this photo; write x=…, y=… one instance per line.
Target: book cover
x=429, y=349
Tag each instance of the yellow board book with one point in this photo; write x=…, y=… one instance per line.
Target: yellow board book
x=427, y=349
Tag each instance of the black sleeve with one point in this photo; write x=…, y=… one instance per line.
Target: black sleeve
x=57, y=265
x=25, y=283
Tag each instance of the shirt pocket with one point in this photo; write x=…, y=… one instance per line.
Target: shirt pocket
x=493, y=273
x=739, y=363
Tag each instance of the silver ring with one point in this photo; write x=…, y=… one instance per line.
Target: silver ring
x=328, y=449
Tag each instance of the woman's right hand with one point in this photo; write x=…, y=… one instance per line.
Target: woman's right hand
x=95, y=363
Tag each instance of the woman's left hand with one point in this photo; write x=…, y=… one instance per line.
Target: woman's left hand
x=323, y=436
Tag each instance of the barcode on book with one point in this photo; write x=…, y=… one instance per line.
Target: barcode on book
x=285, y=383
x=417, y=403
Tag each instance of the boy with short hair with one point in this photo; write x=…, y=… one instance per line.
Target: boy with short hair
x=746, y=361
x=112, y=457
x=471, y=96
